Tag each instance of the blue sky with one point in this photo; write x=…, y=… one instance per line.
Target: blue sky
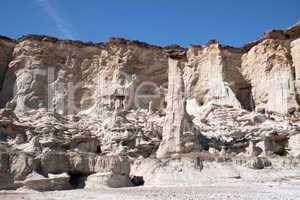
x=159, y=22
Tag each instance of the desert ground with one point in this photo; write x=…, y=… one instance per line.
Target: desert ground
x=281, y=190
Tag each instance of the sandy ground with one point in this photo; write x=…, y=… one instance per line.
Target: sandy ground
x=266, y=191
x=265, y=184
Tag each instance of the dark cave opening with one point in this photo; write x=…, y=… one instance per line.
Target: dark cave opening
x=282, y=153
x=99, y=149
x=77, y=179
x=137, y=180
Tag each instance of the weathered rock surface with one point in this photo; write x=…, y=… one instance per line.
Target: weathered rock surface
x=269, y=68
x=295, y=49
x=294, y=145
x=217, y=77
x=38, y=182
x=61, y=76
x=166, y=171
x=177, y=121
x=108, y=179
x=125, y=113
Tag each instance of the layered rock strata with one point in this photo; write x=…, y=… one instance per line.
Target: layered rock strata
x=125, y=113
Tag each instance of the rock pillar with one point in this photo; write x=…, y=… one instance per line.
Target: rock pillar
x=175, y=113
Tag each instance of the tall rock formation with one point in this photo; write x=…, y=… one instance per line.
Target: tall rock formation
x=176, y=121
x=93, y=111
x=217, y=75
x=269, y=68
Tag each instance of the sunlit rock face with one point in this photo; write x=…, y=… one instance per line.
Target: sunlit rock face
x=216, y=76
x=177, y=122
x=72, y=77
x=269, y=68
x=126, y=113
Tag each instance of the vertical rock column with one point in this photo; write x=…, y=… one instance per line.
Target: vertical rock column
x=175, y=114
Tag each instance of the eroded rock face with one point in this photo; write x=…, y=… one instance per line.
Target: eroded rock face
x=175, y=113
x=178, y=136
x=38, y=182
x=216, y=76
x=295, y=49
x=107, y=180
x=269, y=68
x=58, y=76
x=125, y=113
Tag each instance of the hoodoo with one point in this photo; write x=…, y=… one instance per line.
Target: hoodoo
x=125, y=113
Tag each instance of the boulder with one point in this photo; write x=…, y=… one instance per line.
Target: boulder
x=111, y=171
x=38, y=182
x=107, y=180
x=259, y=163
x=112, y=163
x=181, y=171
